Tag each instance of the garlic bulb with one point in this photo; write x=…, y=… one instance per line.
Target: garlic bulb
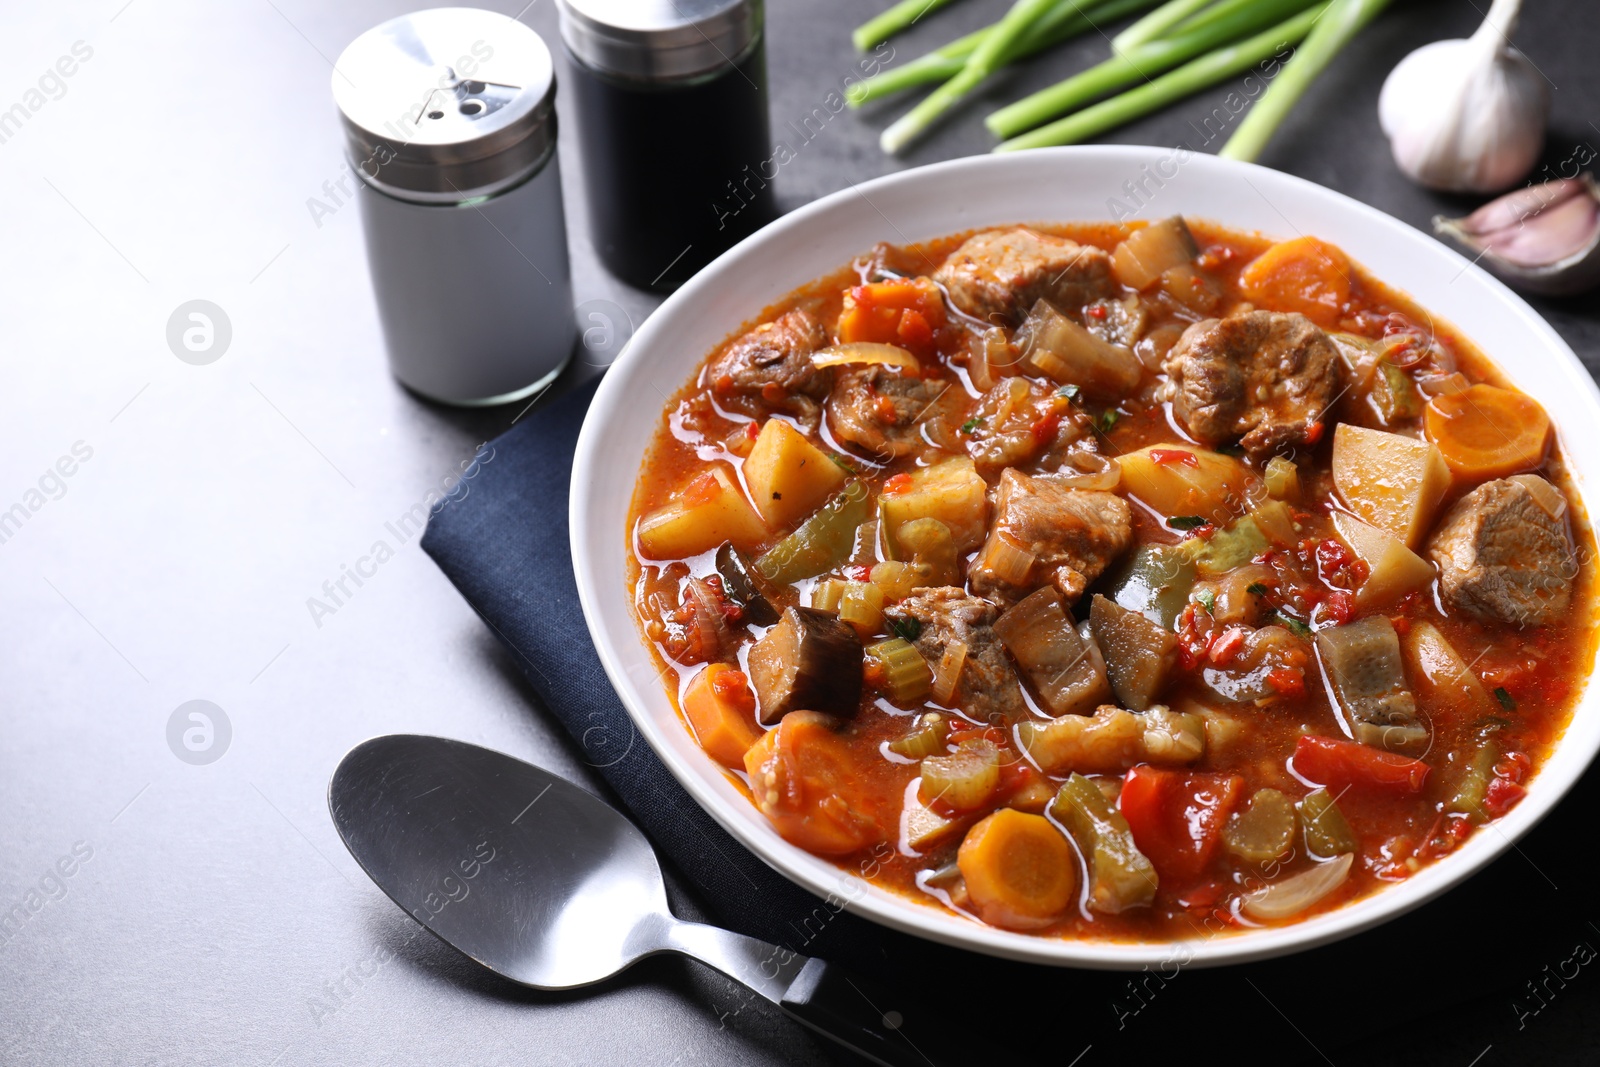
x=1543, y=239
x=1467, y=116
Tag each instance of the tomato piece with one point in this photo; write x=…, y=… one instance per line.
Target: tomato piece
x=702, y=490
x=1166, y=456
x=1287, y=681
x=896, y=484
x=805, y=778
x=1502, y=796
x=1177, y=816
x=914, y=331
x=1340, y=765
x=1341, y=606
x=1044, y=430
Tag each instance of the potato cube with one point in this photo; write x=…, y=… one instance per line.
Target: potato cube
x=1215, y=487
x=1438, y=673
x=1393, y=482
x=1393, y=570
x=952, y=492
x=710, y=510
x=788, y=476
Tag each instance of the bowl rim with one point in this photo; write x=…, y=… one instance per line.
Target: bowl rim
x=593, y=547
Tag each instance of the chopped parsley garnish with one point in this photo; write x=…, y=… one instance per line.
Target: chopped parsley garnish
x=1294, y=625
x=1234, y=449
x=1504, y=698
x=1207, y=599
x=1257, y=589
x=841, y=461
x=1108, y=419
x=972, y=423
x=1186, y=522
x=1069, y=391
x=909, y=629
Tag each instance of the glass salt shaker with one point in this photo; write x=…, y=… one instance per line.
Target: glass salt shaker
x=449, y=117
x=671, y=106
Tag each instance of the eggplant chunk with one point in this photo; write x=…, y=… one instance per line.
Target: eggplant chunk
x=809, y=661
x=1139, y=654
x=1362, y=660
x=1066, y=667
x=740, y=585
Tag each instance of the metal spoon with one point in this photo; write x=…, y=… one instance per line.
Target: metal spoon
x=547, y=885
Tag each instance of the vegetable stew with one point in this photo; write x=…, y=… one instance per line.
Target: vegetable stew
x=1107, y=581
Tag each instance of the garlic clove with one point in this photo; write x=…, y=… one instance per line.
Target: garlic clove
x=1513, y=208
x=1542, y=239
x=1466, y=115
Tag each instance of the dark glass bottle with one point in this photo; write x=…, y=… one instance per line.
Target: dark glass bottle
x=672, y=123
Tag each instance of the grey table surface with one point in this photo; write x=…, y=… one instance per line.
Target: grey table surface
x=211, y=915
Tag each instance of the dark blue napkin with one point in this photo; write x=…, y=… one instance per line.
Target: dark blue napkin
x=1508, y=939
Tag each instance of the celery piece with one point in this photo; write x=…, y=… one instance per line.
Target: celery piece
x=928, y=736
x=1264, y=830
x=1327, y=832
x=906, y=676
x=826, y=595
x=822, y=542
x=966, y=779
x=1474, y=785
x=861, y=605
x=1120, y=877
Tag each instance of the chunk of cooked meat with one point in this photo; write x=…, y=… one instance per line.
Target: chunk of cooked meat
x=1073, y=535
x=998, y=275
x=987, y=689
x=881, y=411
x=773, y=363
x=1016, y=421
x=1505, y=553
x=1264, y=375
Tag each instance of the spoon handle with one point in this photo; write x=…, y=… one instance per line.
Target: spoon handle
x=866, y=1017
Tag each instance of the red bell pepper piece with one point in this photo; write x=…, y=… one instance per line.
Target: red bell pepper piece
x=1341, y=765
x=1177, y=817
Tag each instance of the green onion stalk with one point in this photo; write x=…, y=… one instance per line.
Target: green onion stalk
x=1066, y=20
x=1227, y=22
x=1156, y=24
x=1342, y=21
x=897, y=19
x=1216, y=66
x=984, y=61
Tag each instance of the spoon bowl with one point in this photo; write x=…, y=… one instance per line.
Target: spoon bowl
x=548, y=885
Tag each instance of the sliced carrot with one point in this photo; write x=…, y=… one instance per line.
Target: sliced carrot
x=1488, y=432
x=1304, y=275
x=719, y=706
x=1019, y=870
x=804, y=777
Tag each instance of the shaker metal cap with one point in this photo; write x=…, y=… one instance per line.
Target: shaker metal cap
x=659, y=40
x=448, y=104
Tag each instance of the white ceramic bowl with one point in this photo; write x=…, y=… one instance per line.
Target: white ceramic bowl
x=1058, y=185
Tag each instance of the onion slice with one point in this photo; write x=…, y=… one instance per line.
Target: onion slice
x=1089, y=470
x=948, y=674
x=1299, y=892
x=866, y=352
